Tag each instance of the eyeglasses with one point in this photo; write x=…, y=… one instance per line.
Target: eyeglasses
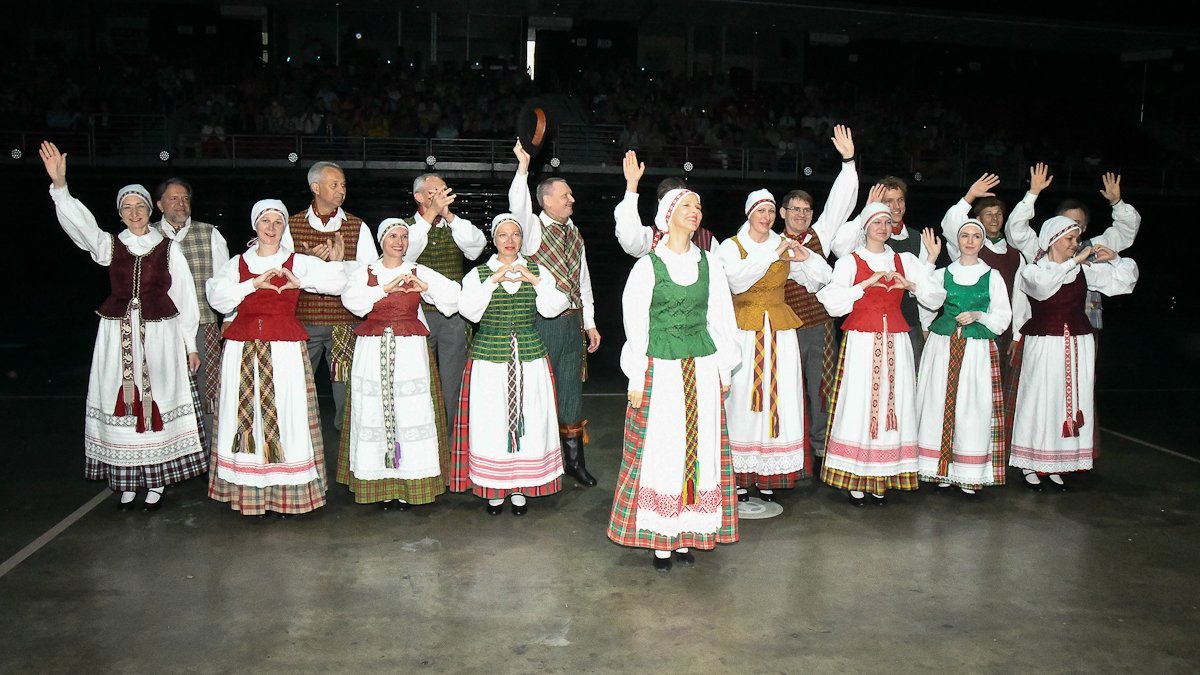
x=804, y=211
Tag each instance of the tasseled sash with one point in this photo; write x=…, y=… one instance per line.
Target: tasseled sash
x=883, y=342
x=341, y=353
x=1074, y=420
x=387, y=376
x=131, y=401
x=760, y=366
x=516, y=395
x=691, y=461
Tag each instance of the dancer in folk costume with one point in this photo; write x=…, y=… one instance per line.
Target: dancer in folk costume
x=269, y=455
x=961, y=433
x=1056, y=399
x=872, y=442
x=395, y=450
x=636, y=239
x=766, y=403
x=508, y=449
x=676, y=487
x=141, y=429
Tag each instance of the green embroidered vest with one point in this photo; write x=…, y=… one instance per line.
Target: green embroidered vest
x=959, y=299
x=508, y=314
x=679, y=314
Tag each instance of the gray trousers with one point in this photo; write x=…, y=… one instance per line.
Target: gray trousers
x=320, y=342
x=812, y=355
x=448, y=340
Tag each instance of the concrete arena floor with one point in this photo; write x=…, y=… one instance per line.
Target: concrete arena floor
x=1100, y=579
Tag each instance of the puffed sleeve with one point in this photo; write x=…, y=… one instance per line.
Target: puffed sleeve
x=476, y=295
x=918, y=271
x=722, y=325
x=930, y=312
x=999, y=312
x=1115, y=277
x=951, y=221
x=1016, y=228
x=418, y=239
x=586, y=297
x=224, y=291
x=1043, y=280
x=470, y=239
x=80, y=225
x=358, y=297
x=634, y=238
x=320, y=276
x=838, y=206
x=742, y=273
x=183, y=293
x=1126, y=221
x=520, y=204
x=365, y=252
x=442, y=293
x=812, y=273
x=550, y=300
x=220, y=250
x=635, y=314
x=840, y=294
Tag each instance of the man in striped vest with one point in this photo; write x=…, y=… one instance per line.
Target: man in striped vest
x=816, y=335
x=439, y=239
x=554, y=243
x=206, y=253
x=326, y=231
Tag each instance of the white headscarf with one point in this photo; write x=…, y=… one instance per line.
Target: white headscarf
x=666, y=207
x=388, y=225
x=874, y=209
x=758, y=198
x=503, y=218
x=134, y=189
x=262, y=206
x=972, y=222
x=1054, y=229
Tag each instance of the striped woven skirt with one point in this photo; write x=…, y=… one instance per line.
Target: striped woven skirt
x=648, y=509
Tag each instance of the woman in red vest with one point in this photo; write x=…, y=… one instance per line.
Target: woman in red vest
x=1056, y=398
x=140, y=424
x=269, y=455
x=872, y=441
x=395, y=451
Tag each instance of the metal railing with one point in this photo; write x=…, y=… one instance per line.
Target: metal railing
x=129, y=140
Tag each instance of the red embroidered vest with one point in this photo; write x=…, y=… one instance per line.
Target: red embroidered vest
x=1064, y=308
x=878, y=310
x=139, y=280
x=265, y=314
x=397, y=311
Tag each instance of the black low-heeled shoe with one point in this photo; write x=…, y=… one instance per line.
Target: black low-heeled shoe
x=856, y=501
x=126, y=506
x=743, y=495
x=685, y=559
x=1036, y=487
x=151, y=508
x=1061, y=487
x=520, y=510
x=880, y=500
x=768, y=496
x=495, y=509
x=662, y=564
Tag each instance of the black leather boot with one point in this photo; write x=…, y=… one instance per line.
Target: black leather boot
x=573, y=462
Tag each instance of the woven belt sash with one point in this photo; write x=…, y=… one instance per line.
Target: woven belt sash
x=131, y=400
x=257, y=352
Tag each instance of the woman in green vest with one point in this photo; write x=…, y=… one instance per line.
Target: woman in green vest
x=960, y=438
x=676, y=488
x=506, y=440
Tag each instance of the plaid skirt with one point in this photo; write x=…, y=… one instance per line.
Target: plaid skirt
x=291, y=499
x=622, y=524
x=413, y=491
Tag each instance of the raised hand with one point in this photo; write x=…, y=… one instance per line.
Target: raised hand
x=876, y=193
x=1112, y=187
x=1039, y=177
x=55, y=162
x=523, y=158
x=843, y=141
x=633, y=170
x=982, y=187
x=933, y=244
